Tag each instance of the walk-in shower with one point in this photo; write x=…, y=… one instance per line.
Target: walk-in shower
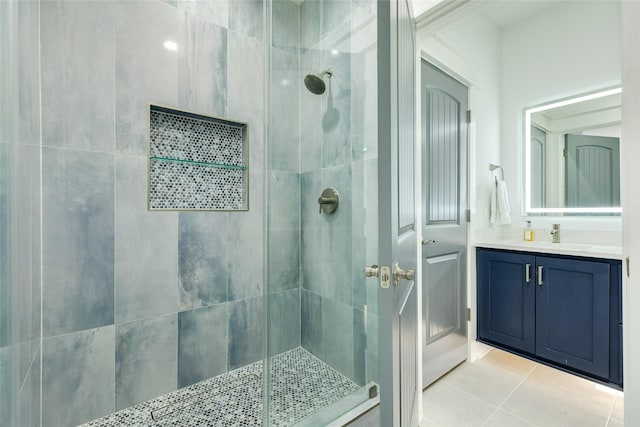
x=115, y=314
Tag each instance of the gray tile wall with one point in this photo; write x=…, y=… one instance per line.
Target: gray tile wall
x=20, y=288
x=130, y=296
x=138, y=303
x=338, y=148
x=284, y=181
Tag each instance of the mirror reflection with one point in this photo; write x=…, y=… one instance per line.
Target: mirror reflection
x=573, y=154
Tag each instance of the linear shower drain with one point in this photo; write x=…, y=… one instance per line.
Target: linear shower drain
x=205, y=402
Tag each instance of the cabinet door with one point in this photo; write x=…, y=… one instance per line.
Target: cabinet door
x=572, y=313
x=506, y=307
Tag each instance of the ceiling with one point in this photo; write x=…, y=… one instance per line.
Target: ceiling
x=502, y=13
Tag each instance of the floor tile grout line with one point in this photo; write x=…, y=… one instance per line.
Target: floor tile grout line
x=613, y=403
x=500, y=406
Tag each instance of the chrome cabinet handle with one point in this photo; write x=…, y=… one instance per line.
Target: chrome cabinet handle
x=527, y=273
x=539, y=275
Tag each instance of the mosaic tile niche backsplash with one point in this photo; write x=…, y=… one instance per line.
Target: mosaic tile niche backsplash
x=196, y=162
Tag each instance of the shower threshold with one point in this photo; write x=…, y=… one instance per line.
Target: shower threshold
x=301, y=386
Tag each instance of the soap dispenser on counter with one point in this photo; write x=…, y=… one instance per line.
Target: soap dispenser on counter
x=528, y=233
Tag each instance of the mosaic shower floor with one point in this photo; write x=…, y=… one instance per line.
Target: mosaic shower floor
x=302, y=385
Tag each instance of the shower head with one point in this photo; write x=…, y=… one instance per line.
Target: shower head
x=314, y=82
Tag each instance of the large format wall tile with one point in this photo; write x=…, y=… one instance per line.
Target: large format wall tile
x=202, y=66
x=246, y=247
x=146, y=359
x=245, y=92
x=364, y=89
x=202, y=344
x=334, y=14
x=214, y=11
x=246, y=332
x=313, y=259
x=202, y=247
x=78, y=377
x=7, y=386
x=285, y=28
x=336, y=111
x=311, y=323
x=25, y=256
x=284, y=321
x=78, y=234
x=373, y=368
x=284, y=151
x=338, y=337
x=284, y=230
x=6, y=167
x=310, y=13
x=246, y=18
x=28, y=83
x=29, y=396
x=146, y=71
x=78, y=77
x=146, y=247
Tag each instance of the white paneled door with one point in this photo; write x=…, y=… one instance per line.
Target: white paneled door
x=444, y=222
x=399, y=383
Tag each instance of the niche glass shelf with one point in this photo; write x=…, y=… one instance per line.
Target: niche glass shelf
x=197, y=162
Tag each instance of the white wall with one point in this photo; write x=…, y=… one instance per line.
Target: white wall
x=568, y=49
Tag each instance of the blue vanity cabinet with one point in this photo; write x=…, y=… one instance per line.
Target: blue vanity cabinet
x=558, y=309
x=572, y=313
x=506, y=299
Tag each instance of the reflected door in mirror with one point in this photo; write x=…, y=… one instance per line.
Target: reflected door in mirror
x=538, y=172
x=592, y=171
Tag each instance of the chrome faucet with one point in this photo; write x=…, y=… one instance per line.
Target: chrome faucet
x=555, y=232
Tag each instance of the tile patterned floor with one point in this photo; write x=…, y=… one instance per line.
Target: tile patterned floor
x=502, y=389
x=302, y=383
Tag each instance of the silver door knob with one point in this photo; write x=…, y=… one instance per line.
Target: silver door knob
x=399, y=273
x=427, y=242
x=384, y=273
x=371, y=271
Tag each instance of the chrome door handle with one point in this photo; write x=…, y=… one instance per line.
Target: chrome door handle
x=383, y=273
x=540, y=275
x=428, y=242
x=527, y=273
x=371, y=271
x=399, y=273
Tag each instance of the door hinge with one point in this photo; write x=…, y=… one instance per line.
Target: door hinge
x=628, y=261
x=468, y=315
x=468, y=116
x=565, y=152
x=468, y=214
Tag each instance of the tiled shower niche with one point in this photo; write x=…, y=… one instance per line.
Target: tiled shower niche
x=197, y=162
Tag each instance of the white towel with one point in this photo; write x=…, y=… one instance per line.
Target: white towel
x=500, y=212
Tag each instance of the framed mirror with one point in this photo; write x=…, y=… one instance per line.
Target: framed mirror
x=572, y=155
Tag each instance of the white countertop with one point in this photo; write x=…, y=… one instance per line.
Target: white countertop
x=575, y=249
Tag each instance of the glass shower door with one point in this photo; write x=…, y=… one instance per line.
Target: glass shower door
x=322, y=210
